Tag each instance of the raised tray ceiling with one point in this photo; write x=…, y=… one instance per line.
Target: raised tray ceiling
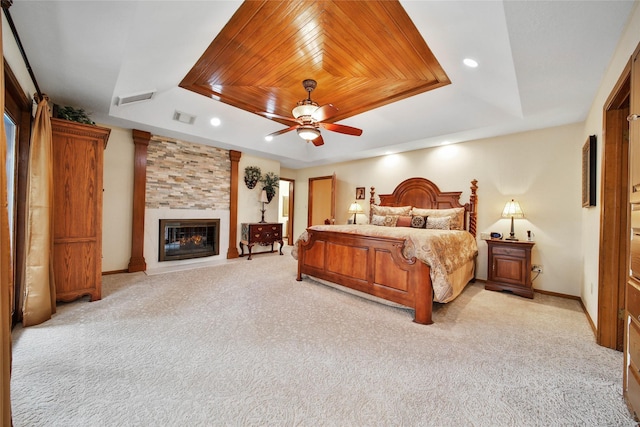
x=363, y=54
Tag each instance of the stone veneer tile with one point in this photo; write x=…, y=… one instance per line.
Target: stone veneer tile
x=185, y=175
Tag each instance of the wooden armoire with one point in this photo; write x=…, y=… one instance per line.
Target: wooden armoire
x=78, y=152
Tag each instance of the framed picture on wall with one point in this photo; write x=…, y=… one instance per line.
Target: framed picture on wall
x=359, y=193
x=589, y=172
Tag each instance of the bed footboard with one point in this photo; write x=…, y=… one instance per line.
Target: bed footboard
x=374, y=265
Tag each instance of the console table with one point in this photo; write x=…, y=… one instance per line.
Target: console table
x=260, y=233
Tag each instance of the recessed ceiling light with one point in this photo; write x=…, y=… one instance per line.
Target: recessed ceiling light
x=445, y=143
x=215, y=121
x=268, y=138
x=470, y=63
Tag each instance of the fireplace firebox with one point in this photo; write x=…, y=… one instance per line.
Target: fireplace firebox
x=188, y=238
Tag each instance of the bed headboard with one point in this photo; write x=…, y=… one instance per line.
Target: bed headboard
x=422, y=193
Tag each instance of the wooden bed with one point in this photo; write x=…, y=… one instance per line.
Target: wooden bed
x=376, y=265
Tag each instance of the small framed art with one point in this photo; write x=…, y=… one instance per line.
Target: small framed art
x=589, y=172
x=359, y=193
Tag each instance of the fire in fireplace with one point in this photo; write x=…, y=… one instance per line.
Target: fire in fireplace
x=188, y=238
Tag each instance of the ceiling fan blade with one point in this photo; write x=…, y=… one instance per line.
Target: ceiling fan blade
x=342, y=129
x=318, y=141
x=280, y=132
x=324, y=112
x=277, y=116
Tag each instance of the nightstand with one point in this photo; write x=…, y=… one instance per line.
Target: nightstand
x=509, y=267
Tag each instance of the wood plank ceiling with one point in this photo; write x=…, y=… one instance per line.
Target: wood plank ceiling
x=363, y=54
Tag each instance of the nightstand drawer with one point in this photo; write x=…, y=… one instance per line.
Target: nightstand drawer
x=514, y=252
x=266, y=233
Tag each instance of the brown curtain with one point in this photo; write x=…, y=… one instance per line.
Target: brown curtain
x=6, y=270
x=39, y=288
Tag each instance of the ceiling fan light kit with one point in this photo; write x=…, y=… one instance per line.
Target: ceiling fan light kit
x=305, y=108
x=309, y=116
x=308, y=132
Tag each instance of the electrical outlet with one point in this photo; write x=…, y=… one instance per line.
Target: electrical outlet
x=537, y=268
x=485, y=236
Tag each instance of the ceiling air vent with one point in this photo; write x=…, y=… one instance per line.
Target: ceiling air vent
x=181, y=117
x=130, y=99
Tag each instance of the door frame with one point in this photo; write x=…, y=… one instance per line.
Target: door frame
x=289, y=230
x=614, y=206
x=311, y=197
x=18, y=107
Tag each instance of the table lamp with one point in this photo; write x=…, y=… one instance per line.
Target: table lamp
x=355, y=209
x=263, y=199
x=512, y=210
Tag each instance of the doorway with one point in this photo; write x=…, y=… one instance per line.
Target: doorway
x=614, y=213
x=285, y=209
x=322, y=200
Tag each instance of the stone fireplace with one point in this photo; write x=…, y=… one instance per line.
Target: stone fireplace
x=188, y=238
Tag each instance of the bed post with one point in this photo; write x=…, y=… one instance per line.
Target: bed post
x=473, y=212
x=372, y=201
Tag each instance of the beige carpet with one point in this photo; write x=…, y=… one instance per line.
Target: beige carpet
x=245, y=344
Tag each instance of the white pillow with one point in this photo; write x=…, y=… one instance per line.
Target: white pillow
x=438, y=223
x=377, y=220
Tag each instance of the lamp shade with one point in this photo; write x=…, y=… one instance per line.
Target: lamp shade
x=304, y=108
x=263, y=197
x=355, y=208
x=512, y=210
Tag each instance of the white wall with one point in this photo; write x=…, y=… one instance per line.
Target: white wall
x=13, y=57
x=541, y=169
x=249, y=206
x=590, y=218
x=117, y=202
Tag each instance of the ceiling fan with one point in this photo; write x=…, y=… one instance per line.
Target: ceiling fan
x=309, y=117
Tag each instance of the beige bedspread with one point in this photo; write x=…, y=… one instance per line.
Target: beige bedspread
x=445, y=251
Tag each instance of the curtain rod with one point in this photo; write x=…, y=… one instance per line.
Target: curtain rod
x=5, y=8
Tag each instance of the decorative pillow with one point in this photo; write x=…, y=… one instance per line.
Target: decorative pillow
x=418, y=221
x=377, y=220
x=456, y=215
x=404, y=221
x=439, y=223
x=390, y=210
x=390, y=220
